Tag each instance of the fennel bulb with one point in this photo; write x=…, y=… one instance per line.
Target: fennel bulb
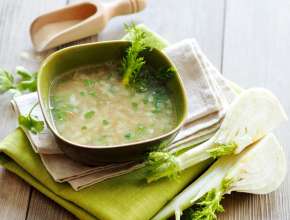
x=259, y=169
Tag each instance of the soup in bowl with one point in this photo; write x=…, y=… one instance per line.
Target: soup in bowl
x=95, y=117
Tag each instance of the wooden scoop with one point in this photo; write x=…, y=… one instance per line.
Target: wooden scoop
x=77, y=21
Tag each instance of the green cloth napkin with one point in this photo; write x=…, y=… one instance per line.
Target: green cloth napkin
x=125, y=197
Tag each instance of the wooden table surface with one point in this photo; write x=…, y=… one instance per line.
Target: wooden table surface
x=248, y=40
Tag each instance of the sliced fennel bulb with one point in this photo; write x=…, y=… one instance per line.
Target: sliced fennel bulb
x=259, y=169
x=255, y=113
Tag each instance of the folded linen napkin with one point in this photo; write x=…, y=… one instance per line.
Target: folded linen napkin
x=43, y=142
x=209, y=96
x=208, y=92
x=123, y=196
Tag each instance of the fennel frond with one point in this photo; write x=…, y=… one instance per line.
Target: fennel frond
x=161, y=164
x=30, y=122
x=132, y=62
x=27, y=81
x=6, y=81
x=210, y=204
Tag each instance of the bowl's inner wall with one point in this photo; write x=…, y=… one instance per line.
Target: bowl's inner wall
x=158, y=60
x=75, y=57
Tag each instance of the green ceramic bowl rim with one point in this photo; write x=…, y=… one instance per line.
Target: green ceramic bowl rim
x=54, y=130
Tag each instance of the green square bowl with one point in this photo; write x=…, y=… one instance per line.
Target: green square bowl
x=88, y=54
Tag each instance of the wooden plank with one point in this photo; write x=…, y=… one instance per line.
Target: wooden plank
x=14, y=196
x=42, y=207
x=256, y=53
x=15, y=17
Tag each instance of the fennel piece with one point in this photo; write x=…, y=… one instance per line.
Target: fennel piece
x=132, y=62
x=255, y=113
x=27, y=81
x=6, y=81
x=259, y=169
x=30, y=123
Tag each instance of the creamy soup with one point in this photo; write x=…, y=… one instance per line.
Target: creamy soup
x=91, y=106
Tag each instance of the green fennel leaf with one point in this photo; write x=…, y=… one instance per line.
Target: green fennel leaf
x=128, y=136
x=88, y=82
x=31, y=123
x=28, y=81
x=161, y=164
x=105, y=122
x=140, y=129
x=165, y=73
x=209, y=205
x=93, y=93
x=133, y=73
x=103, y=139
x=89, y=114
x=149, y=79
x=61, y=108
x=6, y=81
x=23, y=73
x=132, y=62
x=222, y=149
x=160, y=97
x=134, y=106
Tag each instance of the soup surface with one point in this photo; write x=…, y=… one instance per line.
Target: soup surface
x=91, y=106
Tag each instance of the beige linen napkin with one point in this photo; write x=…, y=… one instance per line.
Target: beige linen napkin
x=43, y=142
x=208, y=92
x=71, y=170
x=209, y=96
